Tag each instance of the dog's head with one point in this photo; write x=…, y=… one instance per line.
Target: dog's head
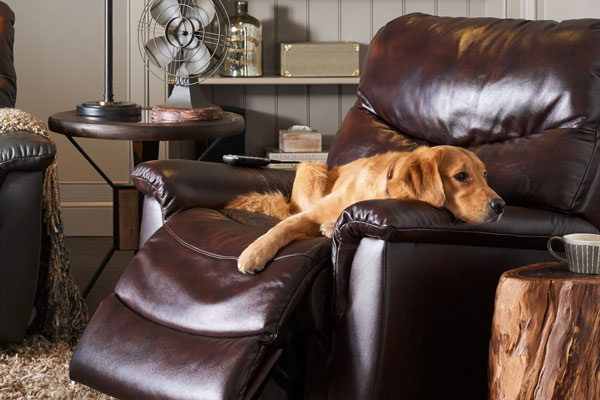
x=448, y=177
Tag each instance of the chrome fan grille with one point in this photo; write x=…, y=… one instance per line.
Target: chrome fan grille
x=183, y=41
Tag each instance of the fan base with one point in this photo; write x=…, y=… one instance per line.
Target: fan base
x=171, y=114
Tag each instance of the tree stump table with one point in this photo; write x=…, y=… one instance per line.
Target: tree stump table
x=545, y=335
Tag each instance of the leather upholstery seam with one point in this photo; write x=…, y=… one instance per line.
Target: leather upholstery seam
x=204, y=334
x=196, y=249
x=253, y=364
x=525, y=235
x=587, y=168
x=156, y=195
x=224, y=257
x=304, y=280
x=36, y=157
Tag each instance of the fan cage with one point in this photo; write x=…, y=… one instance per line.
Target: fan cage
x=214, y=36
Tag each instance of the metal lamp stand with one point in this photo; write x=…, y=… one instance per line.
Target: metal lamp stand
x=108, y=108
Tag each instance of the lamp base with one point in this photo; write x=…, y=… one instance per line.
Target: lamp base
x=117, y=110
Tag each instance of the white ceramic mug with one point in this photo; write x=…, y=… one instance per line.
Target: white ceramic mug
x=582, y=251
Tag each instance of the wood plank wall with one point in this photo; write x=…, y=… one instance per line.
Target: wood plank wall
x=270, y=108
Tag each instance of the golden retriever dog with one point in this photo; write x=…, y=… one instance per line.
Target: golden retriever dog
x=444, y=177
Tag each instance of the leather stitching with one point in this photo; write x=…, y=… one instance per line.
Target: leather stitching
x=37, y=158
x=224, y=257
x=175, y=328
x=156, y=195
x=370, y=224
x=253, y=365
x=587, y=168
x=196, y=249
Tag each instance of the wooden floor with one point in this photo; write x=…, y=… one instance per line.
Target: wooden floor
x=85, y=254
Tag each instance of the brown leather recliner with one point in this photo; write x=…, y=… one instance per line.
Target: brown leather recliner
x=23, y=159
x=400, y=306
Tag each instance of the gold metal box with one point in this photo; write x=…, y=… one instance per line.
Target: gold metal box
x=314, y=59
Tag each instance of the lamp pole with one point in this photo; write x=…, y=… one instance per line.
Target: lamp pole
x=109, y=96
x=108, y=108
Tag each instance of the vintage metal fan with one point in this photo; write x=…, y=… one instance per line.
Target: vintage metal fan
x=184, y=42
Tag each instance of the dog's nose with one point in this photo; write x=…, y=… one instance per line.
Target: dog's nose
x=497, y=205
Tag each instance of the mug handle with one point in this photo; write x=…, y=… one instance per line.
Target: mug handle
x=549, y=245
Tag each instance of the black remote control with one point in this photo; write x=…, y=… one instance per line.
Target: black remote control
x=250, y=161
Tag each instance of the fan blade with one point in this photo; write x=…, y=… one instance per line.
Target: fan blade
x=196, y=60
x=164, y=11
x=202, y=12
x=159, y=51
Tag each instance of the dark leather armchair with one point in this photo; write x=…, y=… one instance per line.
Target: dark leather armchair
x=23, y=159
x=400, y=306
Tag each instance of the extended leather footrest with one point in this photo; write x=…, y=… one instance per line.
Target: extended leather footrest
x=184, y=323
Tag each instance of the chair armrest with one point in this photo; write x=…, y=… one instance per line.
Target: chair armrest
x=178, y=185
x=417, y=222
x=25, y=152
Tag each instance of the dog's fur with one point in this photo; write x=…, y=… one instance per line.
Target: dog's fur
x=433, y=175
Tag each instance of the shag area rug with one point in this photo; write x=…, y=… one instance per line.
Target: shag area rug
x=39, y=369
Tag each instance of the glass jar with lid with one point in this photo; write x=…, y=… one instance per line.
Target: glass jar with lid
x=244, y=56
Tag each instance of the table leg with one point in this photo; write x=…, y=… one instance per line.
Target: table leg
x=98, y=272
x=126, y=214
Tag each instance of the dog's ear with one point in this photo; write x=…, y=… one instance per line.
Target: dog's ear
x=421, y=180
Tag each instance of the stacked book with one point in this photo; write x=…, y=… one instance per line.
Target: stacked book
x=274, y=153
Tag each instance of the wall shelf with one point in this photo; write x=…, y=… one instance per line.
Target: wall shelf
x=278, y=80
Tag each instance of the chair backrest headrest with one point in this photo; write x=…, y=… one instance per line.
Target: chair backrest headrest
x=467, y=81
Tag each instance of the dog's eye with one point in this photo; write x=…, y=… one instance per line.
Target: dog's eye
x=461, y=176
x=485, y=174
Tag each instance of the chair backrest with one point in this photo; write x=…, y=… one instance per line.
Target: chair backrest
x=524, y=95
x=8, y=77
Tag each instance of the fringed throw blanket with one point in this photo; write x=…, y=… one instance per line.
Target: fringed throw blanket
x=61, y=310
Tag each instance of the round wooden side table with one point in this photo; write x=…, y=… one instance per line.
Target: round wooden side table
x=545, y=335
x=145, y=136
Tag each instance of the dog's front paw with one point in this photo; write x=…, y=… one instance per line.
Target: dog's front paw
x=254, y=258
x=250, y=261
x=327, y=228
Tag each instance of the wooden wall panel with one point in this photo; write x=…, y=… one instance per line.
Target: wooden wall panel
x=385, y=11
x=495, y=8
x=453, y=8
x=560, y=10
x=291, y=25
x=260, y=101
x=358, y=25
x=261, y=118
x=514, y=8
x=356, y=21
x=323, y=102
x=424, y=6
x=477, y=8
